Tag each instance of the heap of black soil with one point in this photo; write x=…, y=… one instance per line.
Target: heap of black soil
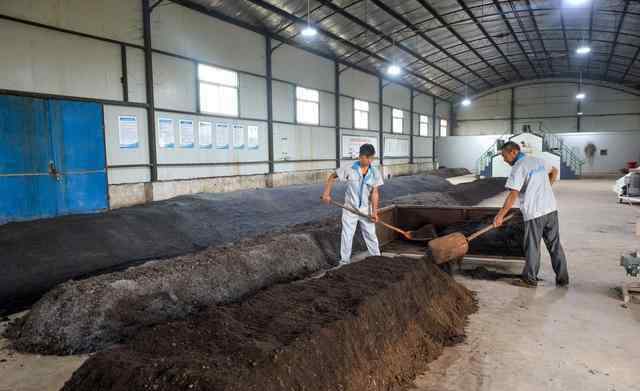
x=371, y=325
x=38, y=255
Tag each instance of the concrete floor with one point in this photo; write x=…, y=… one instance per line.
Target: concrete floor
x=522, y=339
x=551, y=338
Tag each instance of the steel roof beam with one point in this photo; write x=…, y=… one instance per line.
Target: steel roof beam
x=615, y=40
x=386, y=37
x=486, y=34
x=508, y=24
x=444, y=23
x=285, y=14
x=626, y=72
x=411, y=26
x=540, y=52
x=564, y=37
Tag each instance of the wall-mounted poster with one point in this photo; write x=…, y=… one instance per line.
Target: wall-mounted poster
x=205, y=134
x=128, y=131
x=252, y=137
x=396, y=147
x=238, y=136
x=166, y=135
x=222, y=136
x=186, y=132
x=351, y=145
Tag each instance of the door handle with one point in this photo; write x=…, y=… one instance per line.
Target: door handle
x=53, y=170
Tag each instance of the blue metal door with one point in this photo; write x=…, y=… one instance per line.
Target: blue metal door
x=79, y=156
x=52, y=158
x=27, y=191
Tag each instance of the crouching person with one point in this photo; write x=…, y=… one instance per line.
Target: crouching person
x=362, y=194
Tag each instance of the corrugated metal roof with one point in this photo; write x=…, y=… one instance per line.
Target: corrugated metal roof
x=448, y=47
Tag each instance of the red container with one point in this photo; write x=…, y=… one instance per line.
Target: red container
x=632, y=164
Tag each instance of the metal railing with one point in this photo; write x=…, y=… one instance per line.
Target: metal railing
x=553, y=143
x=485, y=159
x=550, y=143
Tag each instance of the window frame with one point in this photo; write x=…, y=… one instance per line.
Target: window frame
x=356, y=110
x=219, y=85
x=420, y=122
x=394, y=117
x=298, y=99
x=446, y=127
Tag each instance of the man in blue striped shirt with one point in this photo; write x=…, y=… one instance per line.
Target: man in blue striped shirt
x=363, y=181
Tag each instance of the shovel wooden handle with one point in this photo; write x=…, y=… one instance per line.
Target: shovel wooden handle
x=357, y=212
x=487, y=229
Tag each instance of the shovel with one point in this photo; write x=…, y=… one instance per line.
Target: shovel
x=455, y=245
x=404, y=233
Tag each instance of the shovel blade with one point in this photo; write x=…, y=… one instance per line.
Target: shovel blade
x=449, y=247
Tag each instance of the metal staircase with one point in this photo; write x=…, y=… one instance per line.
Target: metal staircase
x=570, y=163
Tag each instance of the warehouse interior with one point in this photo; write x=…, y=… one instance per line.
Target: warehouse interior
x=162, y=164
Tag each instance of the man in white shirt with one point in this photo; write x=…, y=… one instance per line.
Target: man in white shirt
x=363, y=181
x=530, y=180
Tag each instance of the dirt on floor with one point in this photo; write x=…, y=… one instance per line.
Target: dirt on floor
x=463, y=194
x=94, y=313
x=38, y=255
x=372, y=325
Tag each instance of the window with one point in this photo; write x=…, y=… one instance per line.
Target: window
x=307, y=106
x=444, y=125
x=360, y=114
x=218, y=90
x=424, y=125
x=397, y=125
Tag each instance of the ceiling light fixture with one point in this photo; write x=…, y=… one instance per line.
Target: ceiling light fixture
x=394, y=70
x=583, y=49
x=309, y=31
x=581, y=95
x=579, y=112
x=466, y=102
x=576, y=3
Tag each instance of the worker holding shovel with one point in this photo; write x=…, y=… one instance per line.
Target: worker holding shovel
x=362, y=195
x=530, y=180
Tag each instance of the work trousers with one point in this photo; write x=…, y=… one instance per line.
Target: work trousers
x=547, y=228
x=349, y=223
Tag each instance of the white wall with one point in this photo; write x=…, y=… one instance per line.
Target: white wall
x=179, y=30
x=114, y=19
x=116, y=156
x=463, y=151
x=552, y=107
x=621, y=147
x=45, y=61
x=40, y=60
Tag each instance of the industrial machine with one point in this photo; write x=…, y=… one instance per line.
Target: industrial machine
x=628, y=187
x=631, y=263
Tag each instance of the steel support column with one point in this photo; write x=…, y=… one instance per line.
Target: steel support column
x=512, y=110
x=148, y=77
x=411, y=130
x=380, y=122
x=269, y=76
x=337, y=109
x=433, y=133
x=578, y=116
